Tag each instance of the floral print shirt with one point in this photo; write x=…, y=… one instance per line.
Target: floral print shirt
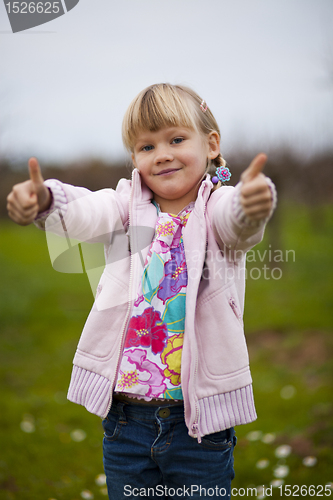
x=150, y=365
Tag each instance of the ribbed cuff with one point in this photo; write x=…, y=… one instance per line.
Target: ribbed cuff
x=59, y=201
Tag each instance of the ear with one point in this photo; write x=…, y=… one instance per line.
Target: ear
x=213, y=144
x=133, y=160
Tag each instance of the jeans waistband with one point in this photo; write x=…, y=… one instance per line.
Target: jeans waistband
x=147, y=412
x=121, y=398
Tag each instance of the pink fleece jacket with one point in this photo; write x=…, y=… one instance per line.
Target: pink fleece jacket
x=215, y=373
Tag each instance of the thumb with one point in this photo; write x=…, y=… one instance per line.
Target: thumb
x=255, y=168
x=35, y=173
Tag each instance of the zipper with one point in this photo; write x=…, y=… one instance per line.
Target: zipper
x=234, y=307
x=128, y=312
x=195, y=426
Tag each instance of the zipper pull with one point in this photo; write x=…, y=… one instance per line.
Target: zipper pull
x=234, y=307
x=195, y=430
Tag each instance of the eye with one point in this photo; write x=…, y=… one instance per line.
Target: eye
x=178, y=140
x=147, y=148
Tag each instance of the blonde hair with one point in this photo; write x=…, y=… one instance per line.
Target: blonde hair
x=165, y=105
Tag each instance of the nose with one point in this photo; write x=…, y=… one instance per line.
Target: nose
x=163, y=153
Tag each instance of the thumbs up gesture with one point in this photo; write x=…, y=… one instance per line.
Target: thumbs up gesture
x=255, y=197
x=29, y=198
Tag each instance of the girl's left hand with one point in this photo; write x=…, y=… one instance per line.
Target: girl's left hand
x=255, y=197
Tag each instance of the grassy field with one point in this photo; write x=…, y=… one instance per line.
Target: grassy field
x=52, y=449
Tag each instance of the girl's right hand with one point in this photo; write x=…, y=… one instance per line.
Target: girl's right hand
x=29, y=198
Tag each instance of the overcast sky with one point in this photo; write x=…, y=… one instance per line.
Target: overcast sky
x=265, y=67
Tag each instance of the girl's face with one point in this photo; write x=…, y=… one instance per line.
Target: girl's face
x=172, y=163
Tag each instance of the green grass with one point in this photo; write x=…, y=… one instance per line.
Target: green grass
x=289, y=328
x=298, y=291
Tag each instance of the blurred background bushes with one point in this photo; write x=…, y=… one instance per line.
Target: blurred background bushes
x=299, y=178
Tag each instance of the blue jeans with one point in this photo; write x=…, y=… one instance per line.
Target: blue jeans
x=147, y=452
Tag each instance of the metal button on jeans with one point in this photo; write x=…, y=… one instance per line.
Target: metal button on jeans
x=164, y=412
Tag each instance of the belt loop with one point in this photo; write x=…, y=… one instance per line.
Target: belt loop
x=122, y=416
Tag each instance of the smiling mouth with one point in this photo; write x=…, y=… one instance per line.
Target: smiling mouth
x=168, y=171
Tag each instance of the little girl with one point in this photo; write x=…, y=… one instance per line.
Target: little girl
x=162, y=357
